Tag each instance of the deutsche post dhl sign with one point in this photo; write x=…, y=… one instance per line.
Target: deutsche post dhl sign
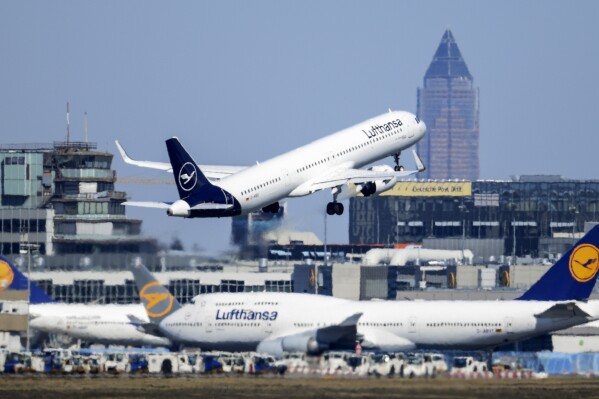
x=431, y=189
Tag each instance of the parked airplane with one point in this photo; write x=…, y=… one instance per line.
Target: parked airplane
x=331, y=162
x=277, y=322
x=96, y=323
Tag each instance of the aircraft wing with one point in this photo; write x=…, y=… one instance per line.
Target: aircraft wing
x=213, y=172
x=148, y=204
x=314, y=341
x=357, y=176
x=563, y=310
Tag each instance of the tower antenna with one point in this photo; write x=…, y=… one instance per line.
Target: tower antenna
x=68, y=123
x=85, y=125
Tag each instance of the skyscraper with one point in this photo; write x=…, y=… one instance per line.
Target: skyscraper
x=448, y=104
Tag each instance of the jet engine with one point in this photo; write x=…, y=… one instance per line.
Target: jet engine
x=179, y=208
x=378, y=186
x=306, y=343
x=299, y=343
x=272, y=208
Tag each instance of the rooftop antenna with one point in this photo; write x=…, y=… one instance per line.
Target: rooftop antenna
x=85, y=124
x=68, y=123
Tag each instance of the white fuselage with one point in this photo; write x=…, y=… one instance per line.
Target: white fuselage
x=107, y=324
x=291, y=174
x=242, y=321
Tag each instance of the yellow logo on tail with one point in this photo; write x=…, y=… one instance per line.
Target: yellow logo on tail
x=163, y=301
x=584, y=262
x=6, y=275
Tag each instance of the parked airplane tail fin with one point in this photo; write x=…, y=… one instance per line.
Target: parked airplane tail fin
x=157, y=300
x=12, y=279
x=188, y=176
x=573, y=276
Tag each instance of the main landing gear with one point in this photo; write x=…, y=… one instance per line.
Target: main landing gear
x=398, y=167
x=334, y=208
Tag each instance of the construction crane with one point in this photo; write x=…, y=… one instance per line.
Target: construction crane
x=141, y=180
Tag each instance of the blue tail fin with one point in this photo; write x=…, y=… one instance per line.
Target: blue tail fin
x=12, y=279
x=188, y=176
x=573, y=276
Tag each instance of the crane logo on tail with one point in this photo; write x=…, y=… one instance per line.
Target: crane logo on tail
x=6, y=275
x=584, y=262
x=188, y=176
x=157, y=302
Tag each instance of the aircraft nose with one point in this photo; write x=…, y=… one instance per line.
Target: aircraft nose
x=422, y=128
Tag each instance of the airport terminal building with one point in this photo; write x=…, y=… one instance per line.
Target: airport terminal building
x=535, y=216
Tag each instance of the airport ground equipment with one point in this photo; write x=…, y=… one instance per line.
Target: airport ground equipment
x=467, y=365
x=418, y=365
x=387, y=364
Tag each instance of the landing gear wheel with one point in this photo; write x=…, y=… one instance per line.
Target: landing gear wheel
x=334, y=208
x=399, y=168
x=331, y=208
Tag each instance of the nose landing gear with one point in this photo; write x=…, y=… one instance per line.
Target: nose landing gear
x=398, y=167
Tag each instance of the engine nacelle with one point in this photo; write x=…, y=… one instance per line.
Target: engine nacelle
x=272, y=208
x=179, y=208
x=378, y=186
x=301, y=343
x=306, y=343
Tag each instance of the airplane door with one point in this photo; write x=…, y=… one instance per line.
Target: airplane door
x=285, y=177
x=267, y=327
x=508, y=325
x=208, y=327
x=412, y=324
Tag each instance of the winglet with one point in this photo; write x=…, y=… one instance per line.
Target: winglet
x=123, y=153
x=573, y=276
x=144, y=164
x=419, y=164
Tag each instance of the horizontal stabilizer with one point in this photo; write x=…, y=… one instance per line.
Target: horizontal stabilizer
x=144, y=326
x=148, y=204
x=562, y=310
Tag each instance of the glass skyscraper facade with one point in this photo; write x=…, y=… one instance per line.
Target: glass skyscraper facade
x=448, y=104
x=529, y=215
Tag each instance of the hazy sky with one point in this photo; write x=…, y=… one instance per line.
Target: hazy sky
x=241, y=81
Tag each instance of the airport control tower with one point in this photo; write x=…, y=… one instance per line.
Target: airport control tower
x=448, y=104
x=61, y=198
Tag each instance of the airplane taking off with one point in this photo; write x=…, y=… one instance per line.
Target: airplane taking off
x=103, y=324
x=331, y=162
x=284, y=322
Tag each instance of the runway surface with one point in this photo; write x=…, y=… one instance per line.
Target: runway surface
x=276, y=387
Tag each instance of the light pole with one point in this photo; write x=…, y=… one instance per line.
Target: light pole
x=25, y=247
x=324, y=260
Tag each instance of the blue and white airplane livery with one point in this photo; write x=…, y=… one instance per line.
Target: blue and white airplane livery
x=97, y=323
x=279, y=322
x=332, y=162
